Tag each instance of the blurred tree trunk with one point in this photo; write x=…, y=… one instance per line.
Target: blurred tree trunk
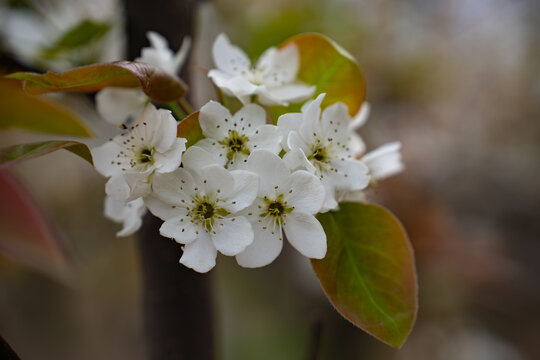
x=177, y=300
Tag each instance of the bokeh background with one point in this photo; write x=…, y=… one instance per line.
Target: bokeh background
x=457, y=82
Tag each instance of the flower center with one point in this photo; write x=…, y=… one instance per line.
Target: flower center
x=206, y=212
x=145, y=156
x=236, y=143
x=276, y=208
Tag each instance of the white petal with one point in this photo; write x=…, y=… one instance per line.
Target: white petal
x=182, y=54
x=216, y=181
x=312, y=113
x=246, y=186
x=201, y=254
x=287, y=123
x=306, y=193
x=163, y=210
x=384, y=161
x=165, y=128
x=174, y=188
x=117, y=188
x=139, y=183
x=181, y=229
x=356, y=144
x=129, y=214
x=232, y=235
x=281, y=65
x=251, y=114
x=267, y=137
x=270, y=168
x=330, y=201
x=170, y=160
x=361, y=116
x=285, y=94
x=210, y=152
x=237, y=86
x=297, y=160
x=306, y=234
x=195, y=158
x=215, y=120
x=116, y=105
x=265, y=248
x=104, y=157
x=296, y=141
x=335, y=122
x=229, y=58
x=349, y=175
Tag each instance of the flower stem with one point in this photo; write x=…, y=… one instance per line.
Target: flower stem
x=185, y=105
x=177, y=111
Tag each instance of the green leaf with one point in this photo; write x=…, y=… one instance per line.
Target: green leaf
x=190, y=129
x=331, y=69
x=80, y=35
x=156, y=83
x=26, y=235
x=368, y=272
x=13, y=154
x=19, y=110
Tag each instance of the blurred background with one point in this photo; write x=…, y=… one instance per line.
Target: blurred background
x=457, y=82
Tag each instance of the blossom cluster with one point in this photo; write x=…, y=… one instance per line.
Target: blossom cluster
x=248, y=184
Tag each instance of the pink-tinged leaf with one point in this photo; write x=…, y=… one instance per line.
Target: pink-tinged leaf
x=25, y=234
x=331, y=69
x=156, y=83
x=368, y=272
x=13, y=154
x=18, y=110
x=190, y=129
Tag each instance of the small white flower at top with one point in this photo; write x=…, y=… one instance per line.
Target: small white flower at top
x=286, y=203
x=325, y=146
x=273, y=79
x=232, y=138
x=131, y=159
x=200, y=204
x=116, y=105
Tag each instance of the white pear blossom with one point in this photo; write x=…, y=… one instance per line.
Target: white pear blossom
x=200, y=204
x=384, y=161
x=233, y=138
x=116, y=105
x=286, y=203
x=129, y=214
x=325, y=146
x=131, y=159
x=273, y=79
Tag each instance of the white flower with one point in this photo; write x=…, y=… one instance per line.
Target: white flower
x=160, y=55
x=286, y=202
x=200, y=207
x=131, y=159
x=273, y=79
x=129, y=214
x=325, y=146
x=384, y=161
x=116, y=105
x=233, y=138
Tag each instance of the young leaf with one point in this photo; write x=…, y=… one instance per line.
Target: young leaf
x=25, y=234
x=331, y=69
x=190, y=129
x=368, y=273
x=157, y=84
x=80, y=35
x=13, y=154
x=19, y=110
